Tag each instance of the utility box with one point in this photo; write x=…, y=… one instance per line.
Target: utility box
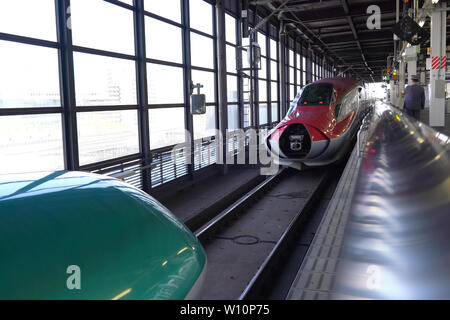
x=439, y=89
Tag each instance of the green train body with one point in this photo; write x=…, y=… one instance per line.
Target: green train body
x=76, y=235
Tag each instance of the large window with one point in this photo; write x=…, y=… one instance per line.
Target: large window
x=163, y=41
x=31, y=132
x=165, y=84
x=104, y=78
x=101, y=80
x=163, y=133
x=108, y=92
x=202, y=51
x=95, y=21
x=201, y=16
x=274, y=97
x=30, y=18
x=170, y=10
x=232, y=75
x=31, y=143
x=107, y=135
x=262, y=83
x=29, y=76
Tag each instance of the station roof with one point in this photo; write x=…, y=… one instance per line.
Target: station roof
x=338, y=29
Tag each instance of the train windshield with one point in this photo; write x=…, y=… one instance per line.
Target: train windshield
x=316, y=94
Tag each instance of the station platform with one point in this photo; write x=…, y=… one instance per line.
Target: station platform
x=315, y=277
x=380, y=234
x=425, y=118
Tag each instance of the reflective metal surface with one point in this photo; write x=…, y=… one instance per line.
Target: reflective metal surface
x=397, y=241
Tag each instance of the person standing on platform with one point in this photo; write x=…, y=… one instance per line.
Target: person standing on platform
x=414, y=98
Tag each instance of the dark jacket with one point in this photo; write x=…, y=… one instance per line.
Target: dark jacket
x=414, y=97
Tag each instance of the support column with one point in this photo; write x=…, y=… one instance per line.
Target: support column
x=411, y=54
x=222, y=87
x=437, y=74
x=401, y=84
x=141, y=76
x=392, y=92
x=282, y=64
x=67, y=86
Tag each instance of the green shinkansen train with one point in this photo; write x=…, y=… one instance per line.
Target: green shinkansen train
x=76, y=235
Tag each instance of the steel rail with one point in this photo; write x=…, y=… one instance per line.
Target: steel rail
x=211, y=227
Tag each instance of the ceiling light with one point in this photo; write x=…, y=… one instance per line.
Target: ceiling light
x=421, y=22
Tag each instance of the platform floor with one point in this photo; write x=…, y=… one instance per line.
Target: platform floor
x=425, y=116
x=315, y=277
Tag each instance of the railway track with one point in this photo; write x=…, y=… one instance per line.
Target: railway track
x=246, y=242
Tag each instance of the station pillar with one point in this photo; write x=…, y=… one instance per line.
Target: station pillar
x=411, y=56
x=438, y=65
x=401, y=84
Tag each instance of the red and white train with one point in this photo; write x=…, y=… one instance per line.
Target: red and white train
x=320, y=124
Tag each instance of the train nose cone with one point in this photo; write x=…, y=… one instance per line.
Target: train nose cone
x=295, y=141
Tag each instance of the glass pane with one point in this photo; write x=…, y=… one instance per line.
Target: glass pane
x=291, y=57
x=244, y=59
x=207, y=80
x=233, y=117
x=262, y=87
x=232, y=90
x=247, y=116
x=166, y=127
x=297, y=62
x=165, y=84
x=298, y=77
x=230, y=29
x=200, y=14
x=274, y=111
x=246, y=87
x=102, y=25
x=291, y=75
x=170, y=10
x=273, y=49
x=205, y=124
x=262, y=113
x=101, y=80
x=262, y=43
x=231, y=59
x=303, y=63
x=274, y=91
x=262, y=73
x=30, y=18
x=304, y=78
x=31, y=143
x=273, y=70
x=292, y=92
x=107, y=135
x=29, y=76
x=202, y=51
x=163, y=41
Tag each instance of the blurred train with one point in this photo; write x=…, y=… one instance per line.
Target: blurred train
x=320, y=124
x=76, y=235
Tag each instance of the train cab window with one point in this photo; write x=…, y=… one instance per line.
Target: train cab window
x=316, y=94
